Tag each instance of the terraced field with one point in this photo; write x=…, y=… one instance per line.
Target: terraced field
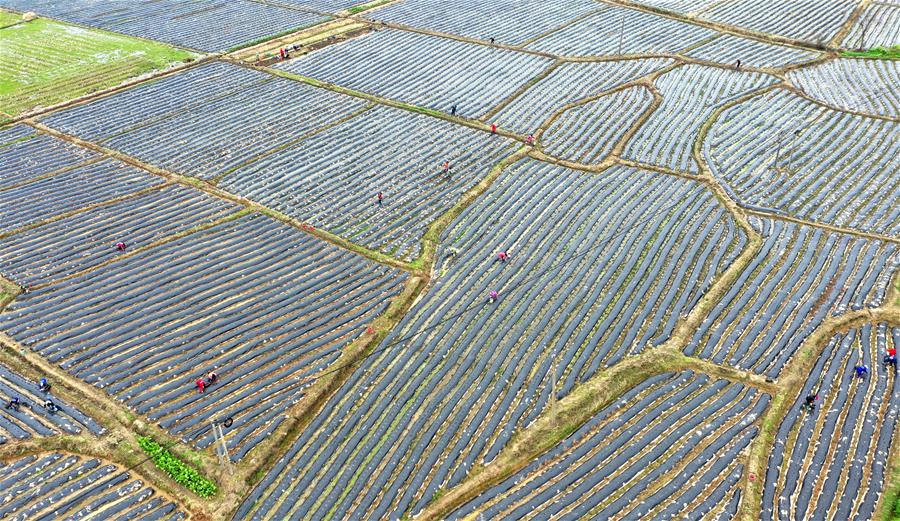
x=839, y=170
x=274, y=316
x=879, y=26
x=813, y=21
x=832, y=461
x=430, y=406
x=727, y=50
x=64, y=486
x=668, y=448
x=868, y=86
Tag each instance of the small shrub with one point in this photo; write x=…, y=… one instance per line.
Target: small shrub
x=177, y=469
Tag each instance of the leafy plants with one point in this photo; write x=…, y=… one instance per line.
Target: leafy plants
x=177, y=469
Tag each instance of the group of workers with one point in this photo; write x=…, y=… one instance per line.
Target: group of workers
x=860, y=372
x=202, y=384
x=15, y=402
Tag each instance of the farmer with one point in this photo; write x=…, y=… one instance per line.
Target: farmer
x=13, y=403
x=530, y=139
x=738, y=66
x=44, y=385
x=380, y=199
x=502, y=256
x=446, y=168
x=50, y=406
x=861, y=371
x=453, y=110
x=121, y=246
x=892, y=352
x=201, y=384
x=283, y=54
x=493, y=128
x=212, y=378
x=492, y=297
x=492, y=40
x=810, y=404
x=890, y=360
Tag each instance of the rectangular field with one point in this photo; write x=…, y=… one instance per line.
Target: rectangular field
x=264, y=305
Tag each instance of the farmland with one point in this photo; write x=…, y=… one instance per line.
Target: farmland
x=419, y=259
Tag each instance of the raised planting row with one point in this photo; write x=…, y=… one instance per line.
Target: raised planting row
x=24, y=414
x=511, y=22
x=568, y=83
x=69, y=190
x=670, y=448
x=332, y=180
x=841, y=169
x=207, y=120
x=26, y=155
x=868, y=86
x=800, y=277
x=63, y=486
x=84, y=240
x=829, y=463
x=691, y=94
x=587, y=133
x=599, y=266
x=617, y=31
x=263, y=305
x=43, y=62
x=812, y=21
x=207, y=25
x=425, y=70
x=728, y=50
x=878, y=26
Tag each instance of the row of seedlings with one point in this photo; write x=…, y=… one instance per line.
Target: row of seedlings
x=263, y=305
x=783, y=154
x=800, y=277
x=420, y=166
x=84, y=240
x=65, y=486
x=512, y=22
x=877, y=26
x=208, y=25
x=26, y=415
x=811, y=21
x=598, y=267
x=569, y=83
x=727, y=49
x=691, y=94
x=620, y=31
x=829, y=461
x=26, y=155
x=208, y=120
x=43, y=177
x=868, y=86
x=589, y=132
x=670, y=448
x=424, y=70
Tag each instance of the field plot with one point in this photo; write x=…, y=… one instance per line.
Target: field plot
x=588, y=133
x=788, y=289
x=70, y=190
x=681, y=6
x=841, y=169
x=43, y=62
x=418, y=416
x=328, y=6
x=869, y=86
x=831, y=463
x=423, y=70
x=668, y=449
x=601, y=34
x=814, y=21
x=727, y=49
x=62, y=486
x=510, y=22
x=568, y=83
x=331, y=180
x=32, y=419
x=261, y=303
x=879, y=26
x=208, y=120
x=690, y=96
x=206, y=25
x=26, y=155
x=84, y=240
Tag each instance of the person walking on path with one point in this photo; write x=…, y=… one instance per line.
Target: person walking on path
x=530, y=139
x=453, y=110
x=493, y=128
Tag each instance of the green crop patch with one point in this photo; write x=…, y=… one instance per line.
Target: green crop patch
x=177, y=469
x=885, y=53
x=43, y=62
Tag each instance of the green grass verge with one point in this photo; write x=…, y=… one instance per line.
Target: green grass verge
x=43, y=62
x=889, y=53
x=365, y=7
x=177, y=469
x=7, y=18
